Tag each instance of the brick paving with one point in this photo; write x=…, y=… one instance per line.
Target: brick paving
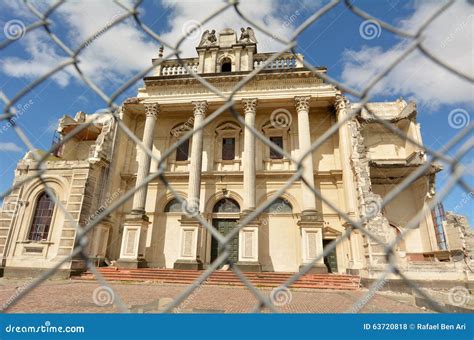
x=69, y=296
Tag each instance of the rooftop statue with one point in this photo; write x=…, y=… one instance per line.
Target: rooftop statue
x=247, y=36
x=208, y=38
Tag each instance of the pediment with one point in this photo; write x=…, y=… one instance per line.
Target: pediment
x=329, y=232
x=228, y=126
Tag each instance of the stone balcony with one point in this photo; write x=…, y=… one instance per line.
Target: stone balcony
x=174, y=67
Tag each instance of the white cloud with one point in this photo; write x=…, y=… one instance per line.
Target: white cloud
x=277, y=18
x=125, y=49
x=43, y=59
x=10, y=147
x=449, y=38
x=109, y=57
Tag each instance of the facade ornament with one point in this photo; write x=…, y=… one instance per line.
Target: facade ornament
x=132, y=100
x=302, y=103
x=151, y=110
x=80, y=117
x=200, y=107
x=250, y=105
x=247, y=36
x=341, y=101
x=208, y=38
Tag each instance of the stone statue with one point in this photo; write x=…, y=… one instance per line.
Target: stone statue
x=208, y=38
x=247, y=36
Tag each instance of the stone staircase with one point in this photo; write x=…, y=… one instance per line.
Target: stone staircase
x=226, y=278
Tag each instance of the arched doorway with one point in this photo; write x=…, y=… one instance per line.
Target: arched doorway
x=224, y=220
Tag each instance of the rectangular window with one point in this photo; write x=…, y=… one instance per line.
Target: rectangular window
x=228, y=148
x=278, y=141
x=182, y=151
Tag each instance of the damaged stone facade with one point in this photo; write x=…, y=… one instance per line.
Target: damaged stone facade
x=77, y=177
x=370, y=204
x=459, y=235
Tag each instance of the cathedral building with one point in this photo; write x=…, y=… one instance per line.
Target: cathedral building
x=224, y=172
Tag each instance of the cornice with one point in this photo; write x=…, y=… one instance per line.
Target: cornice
x=233, y=78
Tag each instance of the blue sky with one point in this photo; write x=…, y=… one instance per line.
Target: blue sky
x=334, y=41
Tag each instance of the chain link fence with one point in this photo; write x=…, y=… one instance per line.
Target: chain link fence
x=45, y=22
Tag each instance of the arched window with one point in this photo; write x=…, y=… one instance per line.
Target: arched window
x=42, y=217
x=280, y=206
x=226, y=205
x=173, y=206
x=226, y=65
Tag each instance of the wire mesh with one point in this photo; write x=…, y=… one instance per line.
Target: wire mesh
x=45, y=22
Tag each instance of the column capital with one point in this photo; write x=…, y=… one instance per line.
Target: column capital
x=152, y=110
x=341, y=101
x=302, y=103
x=200, y=107
x=250, y=105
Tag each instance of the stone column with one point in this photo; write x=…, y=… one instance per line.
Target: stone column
x=304, y=139
x=350, y=194
x=250, y=106
x=345, y=156
x=190, y=228
x=311, y=222
x=194, y=184
x=132, y=251
x=139, y=199
x=248, y=236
